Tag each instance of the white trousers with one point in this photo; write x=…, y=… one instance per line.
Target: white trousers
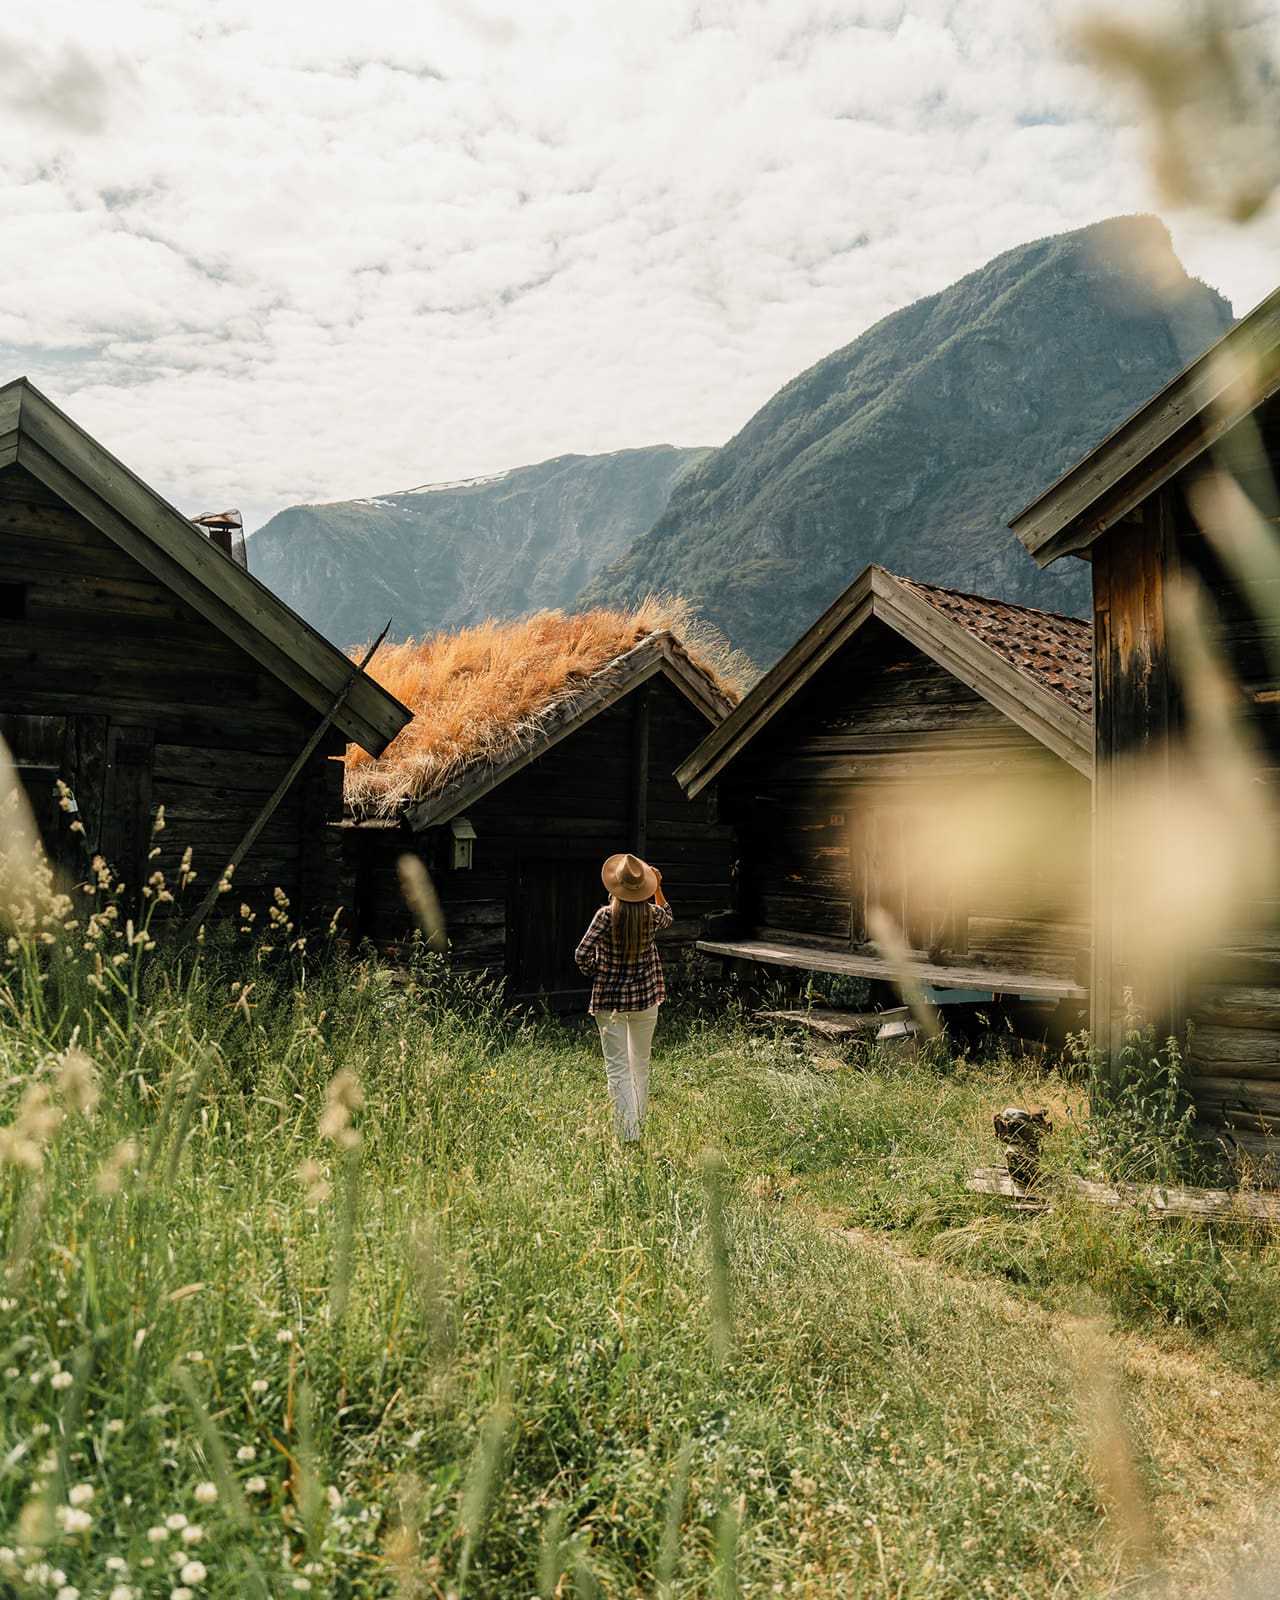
x=627, y=1037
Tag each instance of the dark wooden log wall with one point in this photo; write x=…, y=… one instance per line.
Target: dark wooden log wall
x=1135, y=717
x=1232, y=996
x=151, y=705
x=566, y=811
x=832, y=802
x=1230, y=993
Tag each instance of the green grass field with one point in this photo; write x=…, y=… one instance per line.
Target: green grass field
x=316, y=1283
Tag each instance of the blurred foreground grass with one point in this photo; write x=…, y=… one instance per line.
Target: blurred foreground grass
x=325, y=1284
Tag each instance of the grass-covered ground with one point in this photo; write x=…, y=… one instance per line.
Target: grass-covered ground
x=339, y=1286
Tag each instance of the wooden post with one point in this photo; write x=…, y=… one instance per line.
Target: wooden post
x=640, y=769
x=1134, y=726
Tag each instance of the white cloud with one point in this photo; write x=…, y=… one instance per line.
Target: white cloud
x=283, y=253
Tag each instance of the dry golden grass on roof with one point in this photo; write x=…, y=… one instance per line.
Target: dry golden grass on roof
x=484, y=693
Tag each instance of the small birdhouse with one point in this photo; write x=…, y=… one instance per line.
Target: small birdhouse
x=464, y=835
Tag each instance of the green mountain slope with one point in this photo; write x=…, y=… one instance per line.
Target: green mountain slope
x=915, y=444
x=452, y=554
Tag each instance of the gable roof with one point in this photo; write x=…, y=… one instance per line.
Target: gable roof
x=1051, y=649
x=43, y=440
x=1189, y=415
x=1034, y=666
x=436, y=781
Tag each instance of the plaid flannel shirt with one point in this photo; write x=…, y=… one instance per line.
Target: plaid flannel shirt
x=618, y=985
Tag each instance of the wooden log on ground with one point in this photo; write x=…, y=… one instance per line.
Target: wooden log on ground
x=1222, y=1205
x=837, y=1026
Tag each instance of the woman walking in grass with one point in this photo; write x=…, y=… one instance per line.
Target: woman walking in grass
x=619, y=955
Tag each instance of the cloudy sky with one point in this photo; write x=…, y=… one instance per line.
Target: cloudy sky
x=271, y=252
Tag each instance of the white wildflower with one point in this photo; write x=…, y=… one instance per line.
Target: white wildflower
x=80, y=1494
x=206, y=1493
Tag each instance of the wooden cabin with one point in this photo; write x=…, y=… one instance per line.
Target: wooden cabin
x=923, y=755
x=1176, y=513
x=144, y=667
x=513, y=830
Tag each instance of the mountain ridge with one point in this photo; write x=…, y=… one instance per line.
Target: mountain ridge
x=859, y=457
x=449, y=554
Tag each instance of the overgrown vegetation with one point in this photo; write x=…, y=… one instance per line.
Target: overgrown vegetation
x=318, y=1281
x=1141, y=1122
x=484, y=692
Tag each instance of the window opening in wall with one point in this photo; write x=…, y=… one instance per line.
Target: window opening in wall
x=13, y=602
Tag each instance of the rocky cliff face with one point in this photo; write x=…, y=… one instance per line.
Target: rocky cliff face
x=447, y=555
x=915, y=444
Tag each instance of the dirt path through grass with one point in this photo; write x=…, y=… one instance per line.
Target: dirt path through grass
x=1203, y=1436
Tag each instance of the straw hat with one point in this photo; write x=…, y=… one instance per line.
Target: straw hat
x=626, y=877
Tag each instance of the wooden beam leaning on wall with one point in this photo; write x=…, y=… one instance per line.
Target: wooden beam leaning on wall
x=282, y=788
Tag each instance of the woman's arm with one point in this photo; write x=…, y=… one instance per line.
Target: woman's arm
x=663, y=915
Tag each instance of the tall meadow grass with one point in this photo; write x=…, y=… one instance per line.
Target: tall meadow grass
x=318, y=1281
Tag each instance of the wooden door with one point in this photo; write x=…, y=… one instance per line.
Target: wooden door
x=554, y=900
x=126, y=806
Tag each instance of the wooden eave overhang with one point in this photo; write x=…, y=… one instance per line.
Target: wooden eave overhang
x=39, y=437
x=659, y=654
x=1188, y=416
x=878, y=594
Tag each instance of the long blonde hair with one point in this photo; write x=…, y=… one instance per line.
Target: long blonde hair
x=630, y=927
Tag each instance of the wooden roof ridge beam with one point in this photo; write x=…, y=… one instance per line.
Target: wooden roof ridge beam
x=1211, y=395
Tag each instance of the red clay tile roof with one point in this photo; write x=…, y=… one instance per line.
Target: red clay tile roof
x=1055, y=651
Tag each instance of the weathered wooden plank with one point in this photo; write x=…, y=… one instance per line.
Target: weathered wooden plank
x=838, y=1026
x=1252, y=1047
x=1224, y=1205
x=1259, y=1095
x=1254, y=1006
x=252, y=771
x=15, y=482
x=924, y=766
x=969, y=976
